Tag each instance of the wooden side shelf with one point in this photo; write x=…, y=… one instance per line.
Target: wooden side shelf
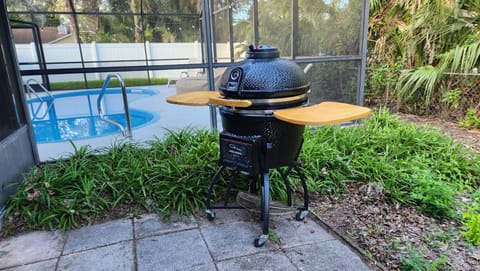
x=195, y=98
x=322, y=114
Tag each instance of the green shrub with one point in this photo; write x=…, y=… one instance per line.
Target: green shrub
x=471, y=119
x=471, y=220
x=415, y=262
x=434, y=198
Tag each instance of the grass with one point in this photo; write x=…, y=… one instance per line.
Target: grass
x=99, y=83
x=414, y=165
x=471, y=220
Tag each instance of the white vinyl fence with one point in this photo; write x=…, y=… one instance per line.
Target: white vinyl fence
x=128, y=54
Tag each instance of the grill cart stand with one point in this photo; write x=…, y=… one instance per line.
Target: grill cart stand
x=247, y=155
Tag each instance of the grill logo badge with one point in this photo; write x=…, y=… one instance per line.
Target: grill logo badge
x=234, y=149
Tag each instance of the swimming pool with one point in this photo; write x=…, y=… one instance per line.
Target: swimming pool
x=74, y=116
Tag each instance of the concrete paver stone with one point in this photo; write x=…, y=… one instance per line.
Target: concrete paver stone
x=117, y=257
x=231, y=240
x=152, y=224
x=45, y=265
x=330, y=255
x=30, y=247
x=267, y=261
x=224, y=216
x=174, y=251
x=295, y=233
x=203, y=267
x=98, y=235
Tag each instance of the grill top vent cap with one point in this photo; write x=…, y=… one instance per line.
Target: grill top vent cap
x=262, y=52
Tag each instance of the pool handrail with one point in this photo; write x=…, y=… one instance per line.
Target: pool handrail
x=32, y=91
x=125, y=132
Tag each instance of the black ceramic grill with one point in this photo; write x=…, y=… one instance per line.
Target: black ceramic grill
x=253, y=140
x=270, y=83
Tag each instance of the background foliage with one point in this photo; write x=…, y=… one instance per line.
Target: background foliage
x=428, y=39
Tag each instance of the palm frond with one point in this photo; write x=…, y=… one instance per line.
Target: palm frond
x=376, y=5
x=461, y=58
x=419, y=82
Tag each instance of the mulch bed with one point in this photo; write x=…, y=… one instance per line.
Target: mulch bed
x=389, y=233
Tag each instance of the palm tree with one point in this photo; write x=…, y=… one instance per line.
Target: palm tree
x=429, y=37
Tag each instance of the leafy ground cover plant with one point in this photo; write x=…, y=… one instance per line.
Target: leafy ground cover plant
x=162, y=175
x=471, y=220
x=415, y=262
x=471, y=119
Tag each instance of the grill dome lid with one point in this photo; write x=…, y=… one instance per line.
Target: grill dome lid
x=263, y=75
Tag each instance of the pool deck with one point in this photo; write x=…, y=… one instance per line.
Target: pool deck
x=171, y=117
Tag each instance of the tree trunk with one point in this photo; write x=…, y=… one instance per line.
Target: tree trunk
x=71, y=18
x=136, y=21
x=92, y=20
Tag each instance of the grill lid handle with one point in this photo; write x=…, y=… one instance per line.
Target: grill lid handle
x=198, y=98
x=230, y=102
x=195, y=98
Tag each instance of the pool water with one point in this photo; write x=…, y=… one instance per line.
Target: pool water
x=74, y=116
x=48, y=131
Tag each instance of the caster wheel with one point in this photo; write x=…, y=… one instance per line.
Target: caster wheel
x=210, y=214
x=301, y=214
x=260, y=240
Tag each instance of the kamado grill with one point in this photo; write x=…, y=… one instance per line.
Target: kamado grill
x=263, y=103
